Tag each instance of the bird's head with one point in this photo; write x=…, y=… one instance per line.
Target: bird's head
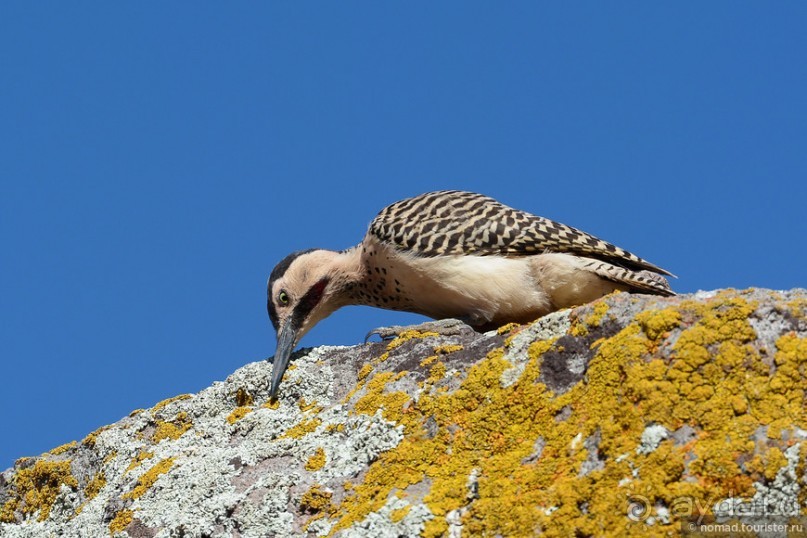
x=303, y=289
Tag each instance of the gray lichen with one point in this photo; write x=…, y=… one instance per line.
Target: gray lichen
x=337, y=454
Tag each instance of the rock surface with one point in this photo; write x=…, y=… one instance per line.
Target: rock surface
x=634, y=415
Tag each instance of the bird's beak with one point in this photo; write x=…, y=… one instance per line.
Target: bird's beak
x=286, y=338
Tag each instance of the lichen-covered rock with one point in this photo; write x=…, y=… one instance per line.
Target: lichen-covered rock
x=634, y=415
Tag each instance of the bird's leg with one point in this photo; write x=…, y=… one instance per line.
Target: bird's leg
x=443, y=327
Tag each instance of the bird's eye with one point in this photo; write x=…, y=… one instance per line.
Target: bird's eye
x=283, y=298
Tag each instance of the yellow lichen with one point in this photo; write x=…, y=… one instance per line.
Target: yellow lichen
x=309, y=407
x=316, y=461
x=399, y=513
x=402, y=338
x=791, y=350
x=316, y=500
x=785, y=405
x=360, y=384
x=149, y=478
x=7, y=511
x=657, y=322
x=506, y=328
x=713, y=379
x=581, y=327
x=578, y=329
x=238, y=413
x=89, y=441
x=411, y=461
x=798, y=307
x=302, y=428
x=167, y=401
x=407, y=335
x=94, y=485
x=378, y=360
x=243, y=398
x=271, y=404
x=776, y=460
x=138, y=460
x=365, y=371
x=375, y=398
x=121, y=520
x=172, y=430
x=445, y=349
x=437, y=372
x=510, y=338
x=331, y=428
x=35, y=488
x=595, y=318
x=539, y=347
x=63, y=448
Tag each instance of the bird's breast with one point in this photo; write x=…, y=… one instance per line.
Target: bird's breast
x=482, y=289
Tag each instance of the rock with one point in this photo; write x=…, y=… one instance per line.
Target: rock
x=632, y=415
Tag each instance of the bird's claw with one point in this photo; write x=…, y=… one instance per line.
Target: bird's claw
x=386, y=333
x=443, y=327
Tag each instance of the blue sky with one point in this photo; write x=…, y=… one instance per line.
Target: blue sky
x=157, y=160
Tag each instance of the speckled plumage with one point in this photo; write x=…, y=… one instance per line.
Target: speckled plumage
x=465, y=223
x=454, y=254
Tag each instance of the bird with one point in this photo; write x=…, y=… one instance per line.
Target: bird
x=452, y=254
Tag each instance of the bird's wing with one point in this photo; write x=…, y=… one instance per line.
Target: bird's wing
x=457, y=222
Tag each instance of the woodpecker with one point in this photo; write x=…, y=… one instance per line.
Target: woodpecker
x=452, y=254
